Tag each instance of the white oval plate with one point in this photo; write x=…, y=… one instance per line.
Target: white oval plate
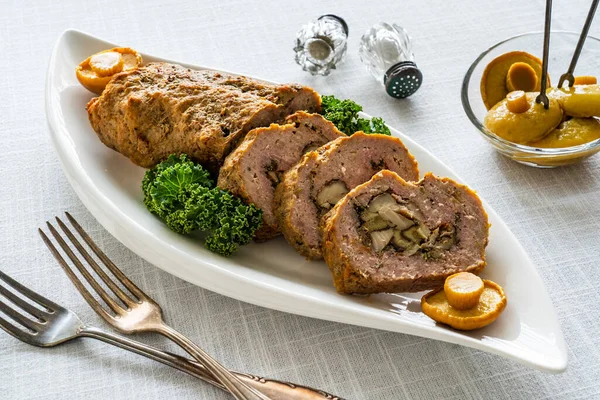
x=272, y=274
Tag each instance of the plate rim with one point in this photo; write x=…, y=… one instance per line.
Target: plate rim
x=70, y=163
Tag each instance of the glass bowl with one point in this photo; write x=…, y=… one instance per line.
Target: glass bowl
x=562, y=45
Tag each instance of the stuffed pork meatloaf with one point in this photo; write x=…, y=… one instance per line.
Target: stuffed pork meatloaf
x=322, y=177
x=158, y=109
x=255, y=167
x=389, y=235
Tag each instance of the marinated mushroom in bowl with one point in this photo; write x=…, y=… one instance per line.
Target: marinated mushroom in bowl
x=508, y=90
x=516, y=70
x=512, y=65
x=519, y=119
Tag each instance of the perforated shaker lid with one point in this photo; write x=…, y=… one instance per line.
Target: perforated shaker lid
x=403, y=79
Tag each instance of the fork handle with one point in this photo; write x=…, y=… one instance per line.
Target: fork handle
x=236, y=387
x=276, y=390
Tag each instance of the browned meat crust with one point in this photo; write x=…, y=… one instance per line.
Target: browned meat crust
x=158, y=109
x=350, y=160
x=254, y=168
x=356, y=268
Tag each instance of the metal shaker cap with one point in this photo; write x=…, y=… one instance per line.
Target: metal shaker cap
x=403, y=79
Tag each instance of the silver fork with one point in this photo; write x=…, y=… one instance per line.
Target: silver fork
x=140, y=314
x=54, y=324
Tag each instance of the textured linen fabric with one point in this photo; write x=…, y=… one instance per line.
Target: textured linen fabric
x=554, y=213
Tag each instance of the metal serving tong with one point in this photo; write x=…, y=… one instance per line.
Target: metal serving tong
x=568, y=76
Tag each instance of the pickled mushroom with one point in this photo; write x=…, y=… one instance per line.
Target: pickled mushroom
x=585, y=80
x=516, y=102
x=106, y=63
x=573, y=132
x=497, y=82
x=463, y=290
x=528, y=126
x=521, y=76
x=578, y=101
x=509, y=87
x=491, y=302
x=96, y=71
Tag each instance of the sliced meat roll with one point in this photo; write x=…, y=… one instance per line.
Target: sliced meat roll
x=160, y=108
x=389, y=235
x=253, y=170
x=323, y=177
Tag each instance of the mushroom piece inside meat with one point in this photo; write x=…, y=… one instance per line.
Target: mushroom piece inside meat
x=401, y=242
x=414, y=234
x=274, y=177
x=409, y=236
x=331, y=194
x=376, y=224
x=380, y=239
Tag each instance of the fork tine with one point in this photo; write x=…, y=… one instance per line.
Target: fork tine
x=86, y=274
x=34, y=311
x=12, y=329
x=109, y=264
x=30, y=294
x=76, y=281
x=18, y=317
x=107, y=280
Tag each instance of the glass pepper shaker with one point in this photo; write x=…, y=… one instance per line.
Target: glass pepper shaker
x=386, y=51
x=321, y=44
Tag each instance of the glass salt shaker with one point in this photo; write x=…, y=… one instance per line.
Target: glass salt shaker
x=386, y=51
x=321, y=44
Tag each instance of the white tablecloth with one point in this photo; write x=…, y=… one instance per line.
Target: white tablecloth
x=554, y=213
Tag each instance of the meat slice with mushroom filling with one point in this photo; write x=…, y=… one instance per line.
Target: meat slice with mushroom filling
x=389, y=235
x=253, y=170
x=323, y=177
